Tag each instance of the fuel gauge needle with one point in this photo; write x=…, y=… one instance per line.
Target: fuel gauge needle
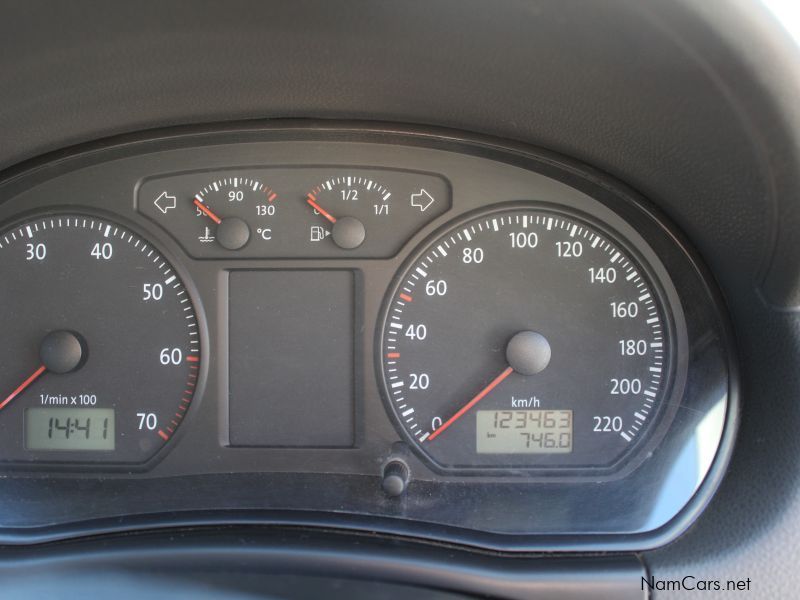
x=347, y=232
x=480, y=396
x=312, y=201
x=24, y=385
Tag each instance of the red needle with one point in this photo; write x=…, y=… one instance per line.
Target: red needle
x=320, y=210
x=207, y=211
x=495, y=382
x=24, y=385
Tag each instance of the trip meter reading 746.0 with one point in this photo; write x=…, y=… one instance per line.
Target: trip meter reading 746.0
x=526, y=337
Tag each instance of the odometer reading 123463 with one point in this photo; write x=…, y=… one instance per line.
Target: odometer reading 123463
x=526, y=337
x=101, y=344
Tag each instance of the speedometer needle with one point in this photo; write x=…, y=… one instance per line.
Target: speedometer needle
x=481, y=395
x=24, y=385
x=312, y=201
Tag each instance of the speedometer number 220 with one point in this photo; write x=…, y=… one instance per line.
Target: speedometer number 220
x=525, y=338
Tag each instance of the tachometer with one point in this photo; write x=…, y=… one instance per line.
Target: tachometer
x=526, y=337
x=101, y=347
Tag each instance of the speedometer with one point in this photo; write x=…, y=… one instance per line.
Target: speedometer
x=527, y=337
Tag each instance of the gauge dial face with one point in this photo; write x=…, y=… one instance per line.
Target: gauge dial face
x=348, y=207
x=526, y=338
x=101, y=357
x=236, y=211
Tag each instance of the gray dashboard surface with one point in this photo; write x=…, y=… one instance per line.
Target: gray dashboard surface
x=691, y=103
x=299, y=564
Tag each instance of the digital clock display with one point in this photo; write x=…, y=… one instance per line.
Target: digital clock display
x=524, y=431
x=77, y=429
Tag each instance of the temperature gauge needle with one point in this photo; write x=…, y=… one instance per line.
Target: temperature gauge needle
x=24, y=385
x=310, y=199
x=481, y=395
x=207, y=211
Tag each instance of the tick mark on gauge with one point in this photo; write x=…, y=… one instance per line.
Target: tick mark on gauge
x=393, y=355
x=406, y=297
x=163, y=435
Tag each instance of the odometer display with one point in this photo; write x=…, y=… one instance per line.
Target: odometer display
x=526, y=313
x=524, y=431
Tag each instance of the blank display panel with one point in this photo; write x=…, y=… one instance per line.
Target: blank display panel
x=291, y=358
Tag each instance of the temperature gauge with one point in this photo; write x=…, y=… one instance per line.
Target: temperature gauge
x=213, y=217
x=227, y=207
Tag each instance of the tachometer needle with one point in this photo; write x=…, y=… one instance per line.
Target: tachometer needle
x=207, y=211
x=24, y=385
x=481, y=395
x=310, y=199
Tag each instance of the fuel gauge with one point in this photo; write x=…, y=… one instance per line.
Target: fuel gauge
x=355, y=199
x=361, y=215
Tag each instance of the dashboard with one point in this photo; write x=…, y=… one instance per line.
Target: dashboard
x=307, y=307
x=376, y=299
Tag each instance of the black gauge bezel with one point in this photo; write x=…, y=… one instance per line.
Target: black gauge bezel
x=80, y=466
x=669, y=307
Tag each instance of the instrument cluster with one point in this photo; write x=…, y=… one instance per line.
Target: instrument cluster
x=387, y=326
